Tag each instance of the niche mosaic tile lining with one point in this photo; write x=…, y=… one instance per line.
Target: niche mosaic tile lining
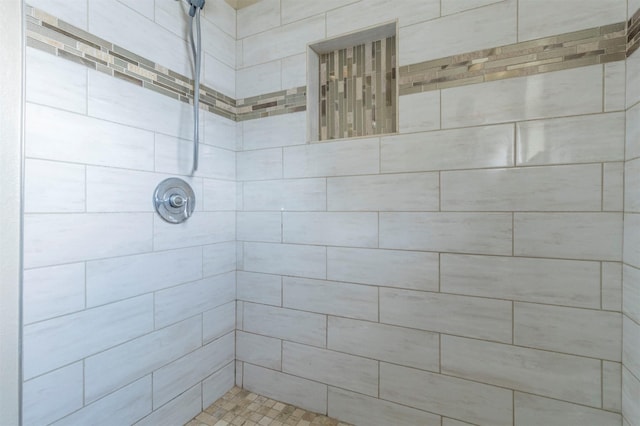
x=358, y=90
x=577, y=49
x=240, y=407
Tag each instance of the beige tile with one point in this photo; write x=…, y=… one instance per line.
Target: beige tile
x=612, y=386
x=536, y=410
x=559, y=282
x=475, y=402
x=551, y=374
x=461, y=315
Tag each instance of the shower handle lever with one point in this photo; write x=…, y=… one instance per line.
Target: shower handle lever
x=177, y=201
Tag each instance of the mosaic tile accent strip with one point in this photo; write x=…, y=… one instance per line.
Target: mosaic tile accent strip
x=240, y=407
x=633, y=33
x=577, y=49
x=358, y=90
x=275, y=103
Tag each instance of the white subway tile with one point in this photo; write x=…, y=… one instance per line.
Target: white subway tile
x=630, y=396
x=581, y=139
x=58, y=135
x=272, y=132
x=260, y=164
x=144, y=7
x=177, y=377
x=419, y=112
x=540, y=18
x=53, y=291
x=532, y=409
x=259, y=288
x=175, y=156
x=114, y=368
x=259, y=226
x=354, y=407
x=398, y=345
x=350, y=157
x=218, y=321
x=286, y=259
x=631, y=345
x=560, y=376
x=631, y=185
x=177, y=411
x=123, y=277
x=613, y=187
x=558, y=282
x=288, y=324
x=123, y=407
x=559, y=188
x=218, y=195
x=486, y=233
x=477, y=147
x=612, y=286
x=294, y=10
x=631, y=291
x=330, y=297
x=632, y=143
x=52, y=187
x=75, y=13
x=302, y=393
x=633, y=81
x=177, y=303
x=219, y=75
x=259, y=350
x=491, y=26
x=612, y=386
x=583, y=332
x=335, y=229
x=51, y=239
x=461, y=315
x=201, y=228
x=219, y=258
x=258, y=79
x=294, y=68
x=218, y=131
x=562, y=93
x=589, y=236
x=389, y=268
x=283, y=195
x=346, y=371
x=258, y=18
x=614, y=86
x=49, y=397
x=60, y=341
x=397, y=192
x=475, y=402
x=219, y=383
x=239, y=366
x=450, y=7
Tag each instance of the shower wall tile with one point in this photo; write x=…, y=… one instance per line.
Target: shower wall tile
x=631, y=346
x=178, y=411
x=475, y=402
x=54, y=82
x=200, y=229
x=536, y=409
x=218, y=131
x=259, y=79
x=355, y=157
x=260, y=164
x=294, y=68
x=177, y=377
x=550, y=281
x=543, y=18
x=615, y=86
x=631, y=185
x=218, y=195
x=119, y=234
x=287, y=324
x=261, y=17
x=574, y=331
x=276, y=131
x=53, y=291
x=119, y=278
x=476, y=147
x=215, y=73
x=354, y=407
x=74, y=13
x=481, y=233
x=580, y=139
x=175, y=156
x=588, y=236
x=259, y=226
x=389, y=268
x=460, y=315
x=633, y=132
x=631, y=291
x=560, y=188
x=612, y=386
x=52, y=187
x=613, y=182
x=334, y=368
x=419, y=112
x=285, y=195
x=630, y=396
x=259, y=350
x=294, y=390
x=114, y=368
x=293, y=10
x=397, y=192
x=259, y=288
x=53, y=134
x=286, y=259
x=560, y=376
x=493, y=25
x=450, y=7
x=218, y=258
x=562, y=93
x=62, y=389
x=218, y=321
x=180, y=302
x=125, y=406
x=145, y=8
x=330, y=228
x=60, y=341
x=633, y=80
x=217, y=384
x=330, y=297
x=398, y=345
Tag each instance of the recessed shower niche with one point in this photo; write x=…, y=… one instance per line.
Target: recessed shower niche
x=352, y=85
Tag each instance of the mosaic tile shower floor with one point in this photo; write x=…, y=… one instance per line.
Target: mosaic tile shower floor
x=239, y=407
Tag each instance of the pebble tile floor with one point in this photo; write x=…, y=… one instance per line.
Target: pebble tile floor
x=239, y=407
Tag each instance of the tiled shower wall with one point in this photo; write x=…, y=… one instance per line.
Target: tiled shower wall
x=127, y=318
x=467, y=270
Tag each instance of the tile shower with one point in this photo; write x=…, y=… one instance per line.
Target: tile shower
x=479, y=266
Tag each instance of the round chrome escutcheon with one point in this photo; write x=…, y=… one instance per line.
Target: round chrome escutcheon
x=174, y=200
